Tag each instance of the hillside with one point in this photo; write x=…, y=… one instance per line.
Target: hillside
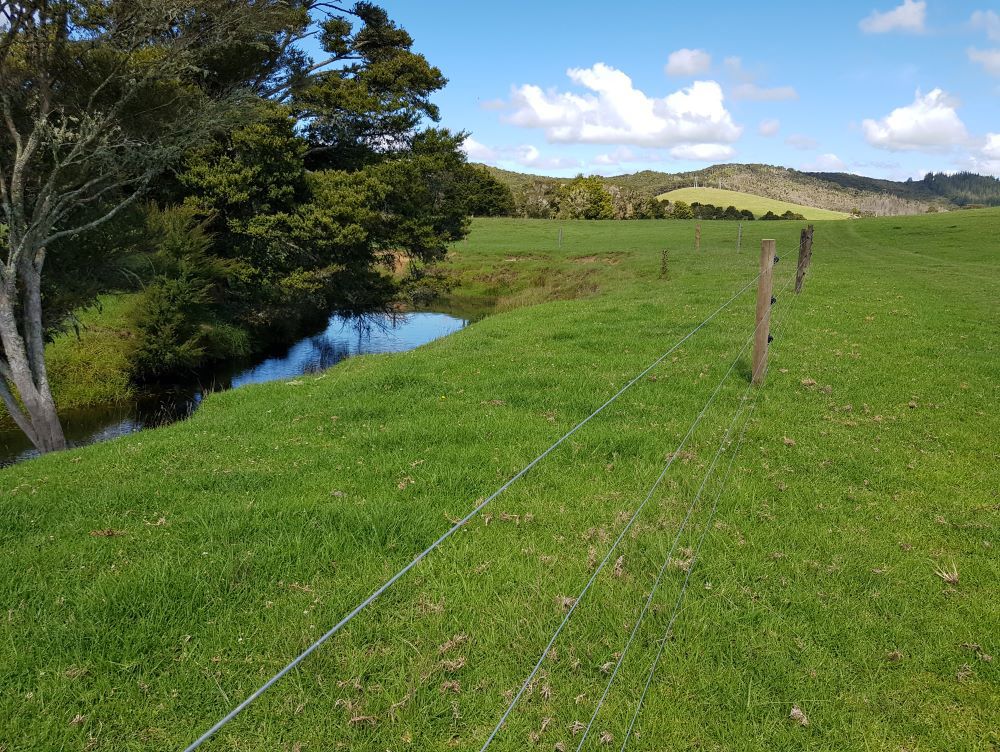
x=757, y=204
x=838, y=192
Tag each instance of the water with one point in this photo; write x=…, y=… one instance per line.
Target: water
x=343, y=337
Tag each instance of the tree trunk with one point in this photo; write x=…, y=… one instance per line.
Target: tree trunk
x=33, y=408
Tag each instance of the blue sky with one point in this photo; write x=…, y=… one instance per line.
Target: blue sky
x=888, y=88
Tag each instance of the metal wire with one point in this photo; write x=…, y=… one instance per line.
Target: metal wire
x=391, y=581
x=614, y=545
x=687, y=578
x=663, y=569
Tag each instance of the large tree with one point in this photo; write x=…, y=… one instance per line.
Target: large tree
x=97, y=99
x=100, y=97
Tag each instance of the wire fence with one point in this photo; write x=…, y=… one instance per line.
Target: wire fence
x=226, y=719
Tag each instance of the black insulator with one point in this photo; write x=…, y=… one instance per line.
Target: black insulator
x=773, y=300
x=770, y=338
x=776, y=259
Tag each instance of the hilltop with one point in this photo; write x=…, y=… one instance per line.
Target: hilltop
x=839, y=192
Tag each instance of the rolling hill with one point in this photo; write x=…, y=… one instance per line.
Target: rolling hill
x=837, y=192
x=757, y=204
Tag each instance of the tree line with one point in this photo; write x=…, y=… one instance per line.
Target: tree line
x=590, y=198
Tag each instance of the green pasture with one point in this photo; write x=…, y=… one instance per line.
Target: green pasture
x=757, y=204
x=152, y=582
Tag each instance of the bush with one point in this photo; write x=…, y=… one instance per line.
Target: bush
x=176, y=324
x=681, y=210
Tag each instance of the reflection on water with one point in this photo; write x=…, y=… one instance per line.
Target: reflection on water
x=344, y=336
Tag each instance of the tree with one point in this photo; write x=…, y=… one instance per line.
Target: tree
x=585, y=198
x=101, y=97
x=538, y=199
x=681, y=210
x=485, y=196
x=97, y=99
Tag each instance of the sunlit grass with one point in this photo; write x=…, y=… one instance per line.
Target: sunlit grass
x=154, y=581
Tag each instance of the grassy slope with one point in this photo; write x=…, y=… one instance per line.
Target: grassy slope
x=251, y=528
x=757, y=204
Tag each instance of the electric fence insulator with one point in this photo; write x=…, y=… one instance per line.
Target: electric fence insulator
x=770, y=338
x=777, y=259
x=773, y=300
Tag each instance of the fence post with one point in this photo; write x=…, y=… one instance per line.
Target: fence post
x=560, y=237
x=739, y=239
x=697, y=237
x=805, y=256
x=763, y=318
x=809, y=245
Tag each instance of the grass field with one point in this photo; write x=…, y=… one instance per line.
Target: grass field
x=757, y=204
x=151, y=583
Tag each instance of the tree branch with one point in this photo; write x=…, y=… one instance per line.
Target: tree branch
x=145, y=179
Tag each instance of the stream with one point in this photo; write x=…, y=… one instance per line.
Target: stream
x=343, y=337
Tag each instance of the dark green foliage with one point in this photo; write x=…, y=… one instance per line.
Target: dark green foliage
x=176, y=324
x=964, y=188
x=372, y=104
x=681, y=210
x=485, y=196
x=710, y=211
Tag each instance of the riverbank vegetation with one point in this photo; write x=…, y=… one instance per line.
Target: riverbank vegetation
x=201, y=159
x=154, y=581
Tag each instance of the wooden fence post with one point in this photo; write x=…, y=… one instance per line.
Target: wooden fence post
x=697, y=237
x=763, y=319
x=805, y=256
x=809, y=245
x=739, y=238
x=560, y=237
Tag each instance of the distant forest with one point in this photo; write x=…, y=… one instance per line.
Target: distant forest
x=961, y=189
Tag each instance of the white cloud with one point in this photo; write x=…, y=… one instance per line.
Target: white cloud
x=800, y=141
x=625, y=155
x=987, y=161
x=826, y=163
x=929, y=124
x=525, y=155
x=755, y=93
x=530, y=156
x=992, y=147
x=478, y=152
x=988, y=20
x=989, y=59
x=618, y=113
x=703, y=152
x=749, y=90
x=909, y=17
x=616, y=157
x=687, y=62
x=769, y=127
